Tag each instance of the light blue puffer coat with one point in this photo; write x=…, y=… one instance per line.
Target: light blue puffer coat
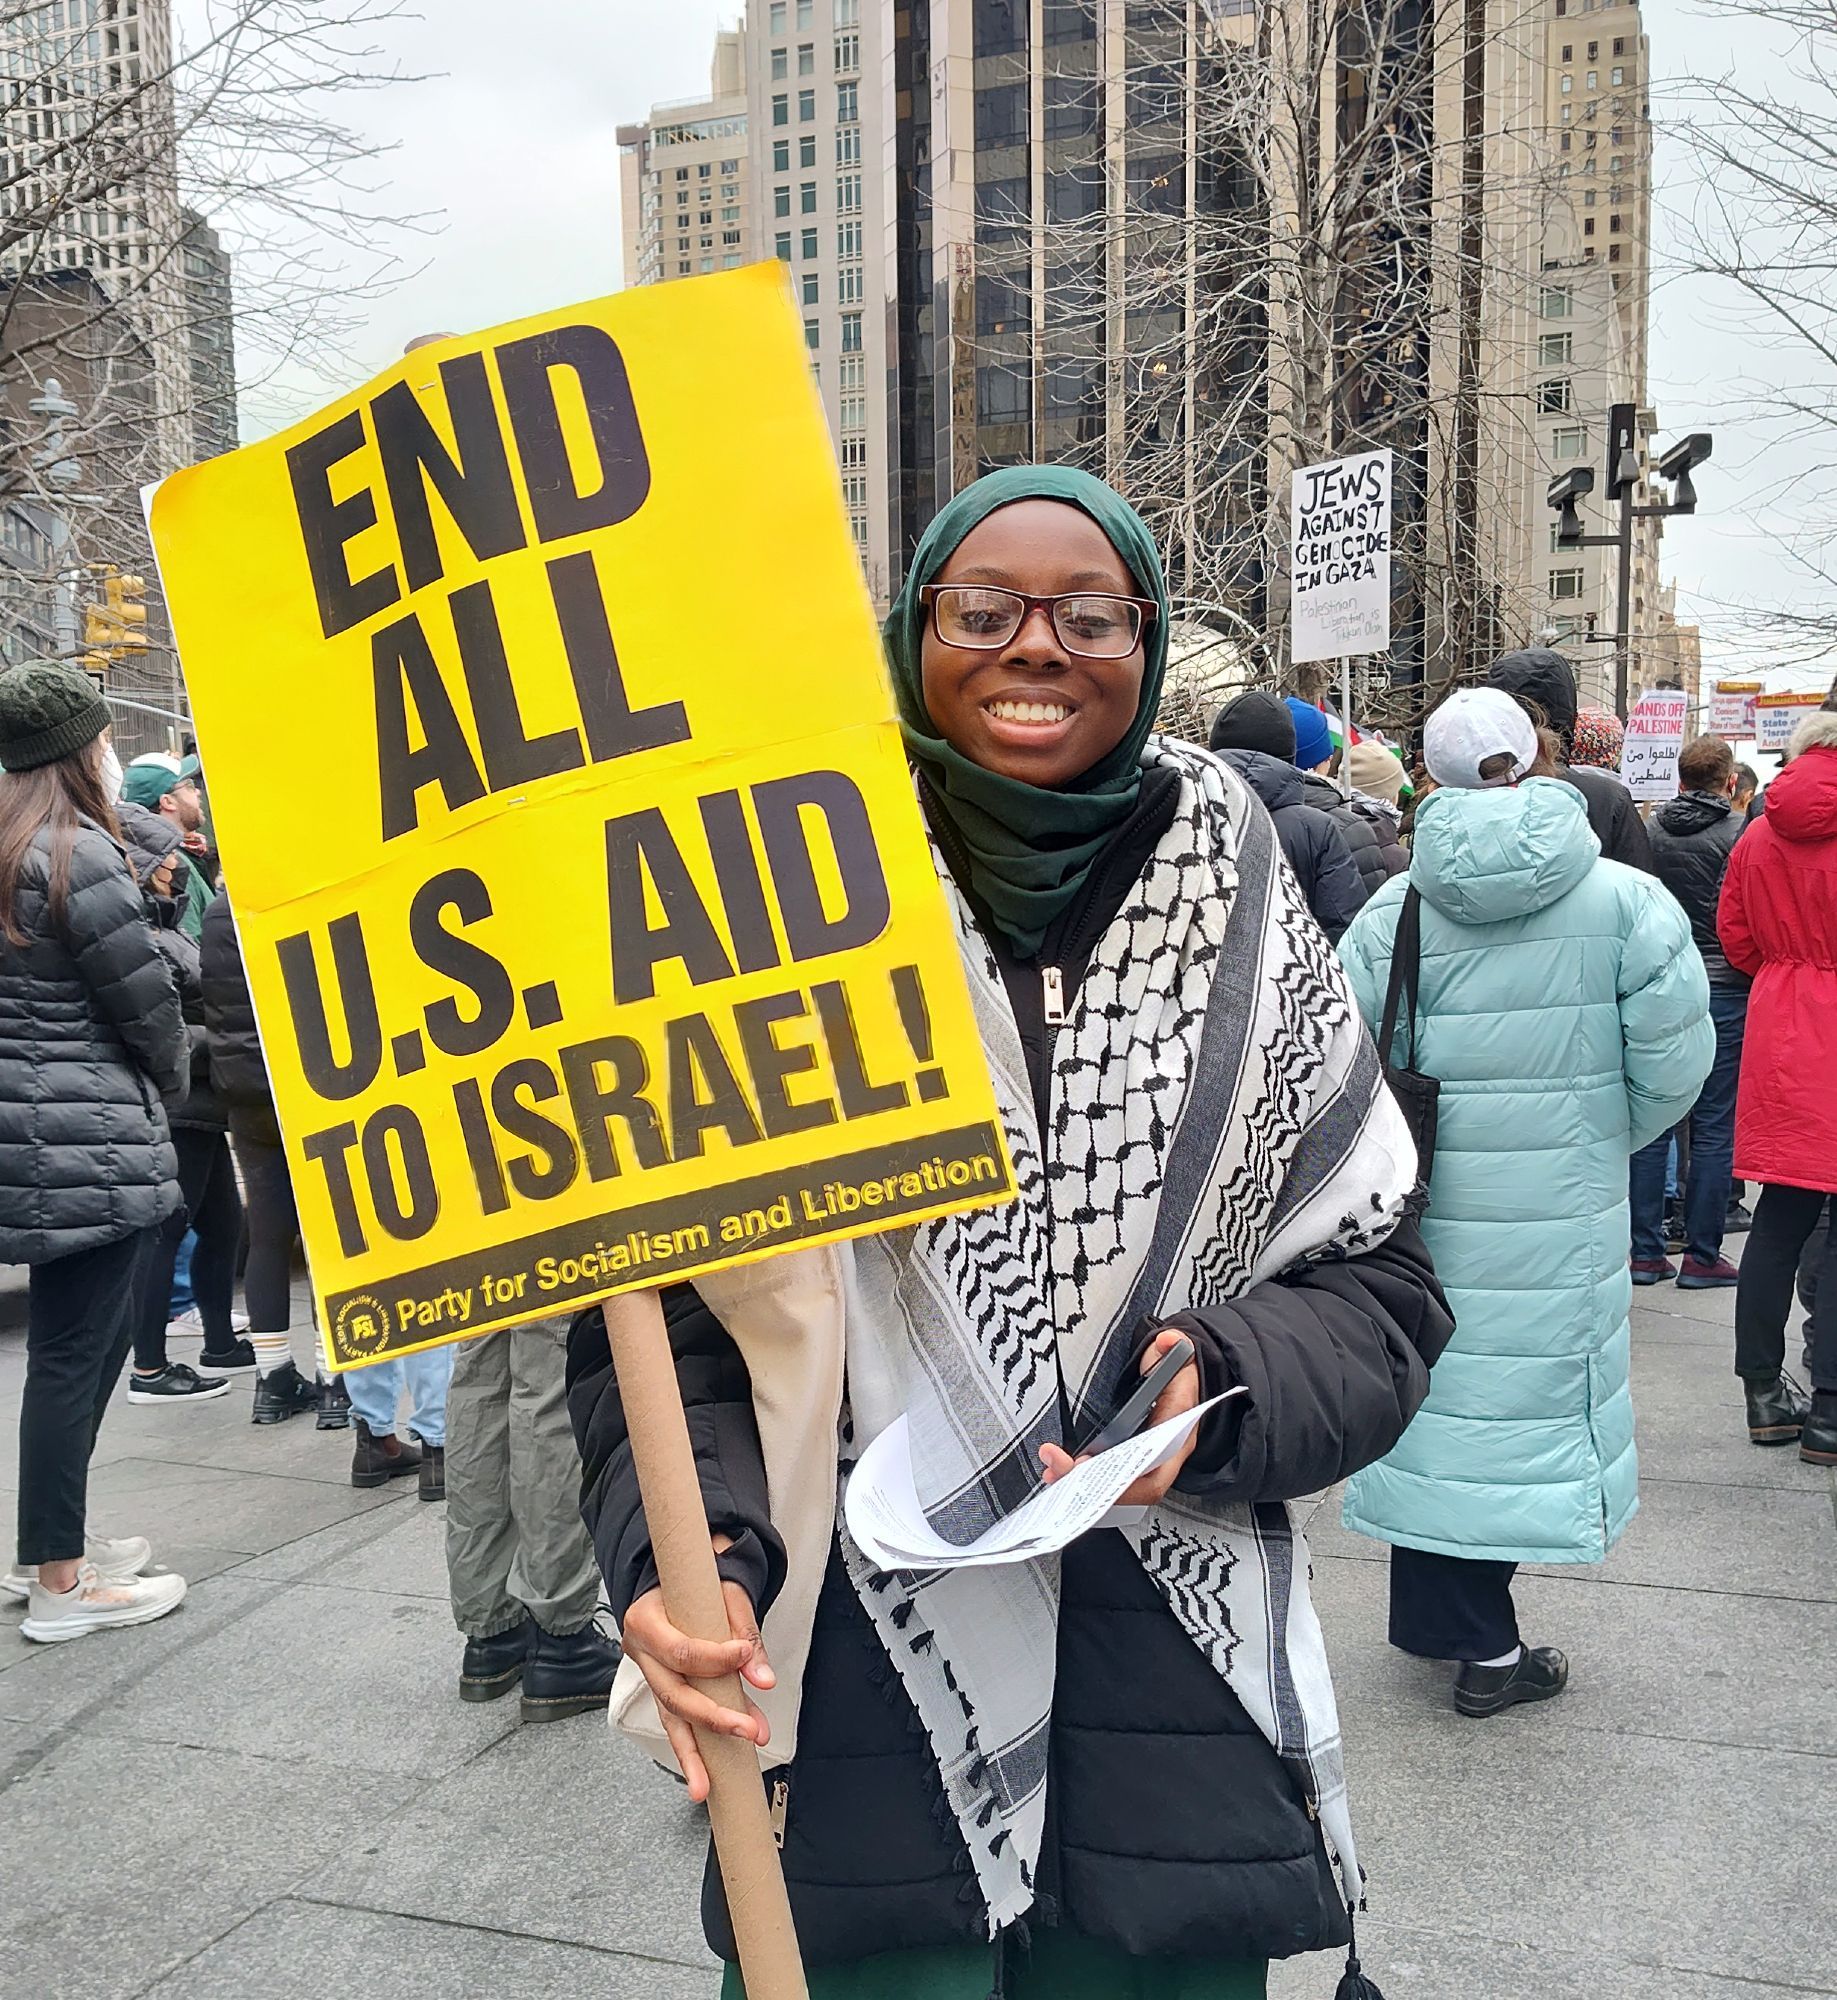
x=1565, y=1010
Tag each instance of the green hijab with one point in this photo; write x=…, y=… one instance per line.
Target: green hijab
x=1029, y=849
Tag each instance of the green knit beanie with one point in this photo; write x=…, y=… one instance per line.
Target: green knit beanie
x=47, y=711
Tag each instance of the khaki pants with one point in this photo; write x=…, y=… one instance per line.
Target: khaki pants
x=514, y=1540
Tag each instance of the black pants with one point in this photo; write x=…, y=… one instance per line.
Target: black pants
x=267, y=1279
x=213, y=1209
x=79, y=1326
x=1452, y=1607
x=1784, y=1218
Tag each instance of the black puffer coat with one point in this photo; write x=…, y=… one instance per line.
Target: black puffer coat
x=240, y=1074
x=1172, y=1827
x=150, y=839
x=91, y=1039
x=1537, y=674
x=1312, y=844
x=1370, y=830
x=1692, y=837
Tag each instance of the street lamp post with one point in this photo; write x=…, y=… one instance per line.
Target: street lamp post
x=1567, y=491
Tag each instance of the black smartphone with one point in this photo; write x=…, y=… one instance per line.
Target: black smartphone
x=1132, y=1412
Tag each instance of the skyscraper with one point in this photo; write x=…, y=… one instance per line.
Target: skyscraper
x=682, y=178
x=210, y=337
x=819, y=107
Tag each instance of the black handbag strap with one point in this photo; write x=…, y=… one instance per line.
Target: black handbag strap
x=1405, y=979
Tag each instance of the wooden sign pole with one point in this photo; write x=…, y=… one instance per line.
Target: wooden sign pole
x=665, y=1463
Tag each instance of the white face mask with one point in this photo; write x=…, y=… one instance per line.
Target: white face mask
x=110, y=773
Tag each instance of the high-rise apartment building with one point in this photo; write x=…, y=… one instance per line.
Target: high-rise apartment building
x=1594, y=304
x=683, y=185
x=818, y=94
x=210, y=337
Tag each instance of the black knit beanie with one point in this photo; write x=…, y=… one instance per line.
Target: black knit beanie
x=47, y=711
x=1255, y=721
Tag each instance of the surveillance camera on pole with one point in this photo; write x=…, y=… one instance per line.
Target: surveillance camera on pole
x=1623, y=474
x=1566, y=495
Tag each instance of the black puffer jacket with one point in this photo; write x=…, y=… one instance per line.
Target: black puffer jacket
x=1312, y=844
x=1369, y=827
x=1172, y=1826
x=1537, y=674
x=91, y=1039
x=1692, y=838
x=240, y=1074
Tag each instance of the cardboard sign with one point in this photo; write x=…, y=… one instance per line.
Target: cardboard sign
x=1776, y=716
x=1340, y=558
x=1654, y=736
x=1731, y=710
x=590, y=919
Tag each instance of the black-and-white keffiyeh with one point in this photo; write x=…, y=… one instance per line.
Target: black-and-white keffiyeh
x=1217, y=1117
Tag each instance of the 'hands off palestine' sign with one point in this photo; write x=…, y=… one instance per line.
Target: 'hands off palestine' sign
x=606, y=946
x=1340, y=558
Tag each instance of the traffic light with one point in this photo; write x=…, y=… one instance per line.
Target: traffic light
x=118, y=624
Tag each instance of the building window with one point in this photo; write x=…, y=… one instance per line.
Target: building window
x=1594, y=48
x=730, y=236
x=729, y=168
x=1588, y=227
x=813, y=334
x=848, y=145
x=781, y=245
x=848, y=13
x=1002, y=395
x=1567, y=84
x=682, y=269
x=806, y=106
x=781, y=109
x=854, y=451
x=1001, y=115
x=848, y=284
x=781, y=156
x=806, y=10
x=806, y=149
x=1569, y=52
x=1568, y=141
x=812, y=290
x=1555, y=350
x=848, y=241
x=707, y=263
x=1620, y=45
x=1565, y=112
x=806, y=59
x=1555, y=399
x=731, y=214
x=809, y=244
x=705, y=171
x=1588, y=197
x=1617, y=78
x=851, y=333
x=848, y=194
x=1565, y=584
x=1558, y=302
x=775, y=17
x=1613, y=254
x=1569, y=441
x=848, y=54
x=848, y=103
x=1613, y=225
x=781, y=201
x=852, y=412
x=730, y=261
x=1594, y=79
x=781, y=65
x=806, y=198
x=853, y=372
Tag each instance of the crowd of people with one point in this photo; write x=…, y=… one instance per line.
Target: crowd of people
x=1382, y=1086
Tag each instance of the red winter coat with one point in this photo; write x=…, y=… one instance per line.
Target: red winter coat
x=1778, y=920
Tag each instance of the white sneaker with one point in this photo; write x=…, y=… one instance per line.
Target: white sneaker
x=115, y=1559
x=189, y=1325
x=91, y=1605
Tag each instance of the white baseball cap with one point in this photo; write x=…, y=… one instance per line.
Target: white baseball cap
x=1472, y=725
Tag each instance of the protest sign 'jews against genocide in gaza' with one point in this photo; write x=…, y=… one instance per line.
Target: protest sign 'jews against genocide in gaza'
x=589, y=916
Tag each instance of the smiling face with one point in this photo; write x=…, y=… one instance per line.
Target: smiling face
x=1031, y=709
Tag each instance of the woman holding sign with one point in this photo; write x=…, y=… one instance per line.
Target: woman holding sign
x=1131, y=1746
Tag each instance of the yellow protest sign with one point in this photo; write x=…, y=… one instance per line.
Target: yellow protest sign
x=586, y=906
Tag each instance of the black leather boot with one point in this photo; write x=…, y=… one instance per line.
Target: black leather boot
x=378, y=1459
x=493, y=1666
x=334, y=1405
x=433, y=1471
x=1538, y=1674
x=1818, y=1440
x=567, y=1676
x=1776, y=1410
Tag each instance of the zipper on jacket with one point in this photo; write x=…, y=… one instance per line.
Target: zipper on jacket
x=1052, y=982
x=779, y=1797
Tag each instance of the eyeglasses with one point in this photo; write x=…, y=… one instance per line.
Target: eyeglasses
x=984, y=618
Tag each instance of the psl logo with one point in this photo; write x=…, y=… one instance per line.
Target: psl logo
x=362, y=1327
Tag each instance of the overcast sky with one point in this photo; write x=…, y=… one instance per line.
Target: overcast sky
x=510, y=142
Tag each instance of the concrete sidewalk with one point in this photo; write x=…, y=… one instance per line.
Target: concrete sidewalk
x=278, y=1792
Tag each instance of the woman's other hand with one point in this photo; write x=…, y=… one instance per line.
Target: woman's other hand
x=1180, y=1395
x=673, y=1663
